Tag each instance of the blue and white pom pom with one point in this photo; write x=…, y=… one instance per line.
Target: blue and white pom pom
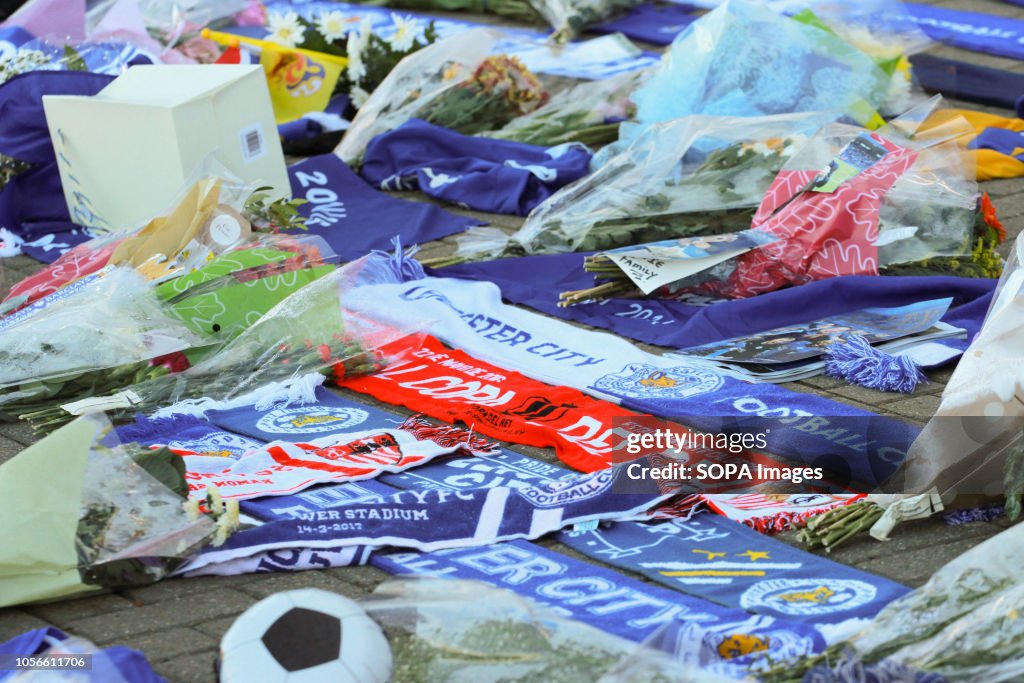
x=856, y=361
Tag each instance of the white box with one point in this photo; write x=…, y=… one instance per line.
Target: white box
x=127, y=154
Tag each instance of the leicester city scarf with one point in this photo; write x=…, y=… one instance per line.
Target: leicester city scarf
x=708, y=636
x=450, y=385
x=975, y=31
x=329, y=414
x=339, y=205
x=845, y=441
x=722, y=558
x=283, y=467
x=498, y=176
x=433, y=520
x=728, y=563
x=186, y=434
x=532, y=281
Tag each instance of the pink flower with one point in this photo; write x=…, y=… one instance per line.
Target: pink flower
x=253, y=15
x=202, y=50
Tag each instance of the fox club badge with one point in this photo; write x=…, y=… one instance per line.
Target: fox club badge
x=311, y=419
x=805, y=597
x=640, y=380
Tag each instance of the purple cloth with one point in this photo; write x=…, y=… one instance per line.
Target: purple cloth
x=32, y=204
x=535, y=281
x=109, y=664
x=499, y=176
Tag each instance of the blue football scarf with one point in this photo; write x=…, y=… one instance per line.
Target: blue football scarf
x=715, y=636
x=507, y=470
x=434, y=520
x=969, y=82
x=975, y=31
x=187, y=434
x=534, y=280
x=330, y=414
x=658, y=25
x=845, y=441
x=498, y=176
x=32, y=204
x=729, y=563
x=718, y=559
x=355, y=219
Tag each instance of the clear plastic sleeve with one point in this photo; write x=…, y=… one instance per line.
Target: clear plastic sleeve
x=114, y=321
x=569, y=18
x=456, y=630
x=416, y=81
x=587, y=113
x=677, y=178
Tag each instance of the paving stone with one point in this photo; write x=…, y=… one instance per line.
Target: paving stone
x=14, y=622
x=70, y=610
x=308, y=579
x=189, y=608
x=164, y=644
x=914, y=567
x=197, y=667
x=873, y=397
x=9, y=448
x=215, y=628
x=170, y=589
x=919, y=407
x=20, y=432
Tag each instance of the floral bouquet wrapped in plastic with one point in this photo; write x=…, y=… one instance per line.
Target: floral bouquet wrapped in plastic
x=963, y=626
x=588, y=113
x=721, y=65
x=308, y=333
x=569, y=18
x=850, y=202
x=452, y=83
x=447, y=629
x=83, y=514
x=698, y=175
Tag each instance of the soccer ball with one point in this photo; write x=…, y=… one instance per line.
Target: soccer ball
x=304, y=636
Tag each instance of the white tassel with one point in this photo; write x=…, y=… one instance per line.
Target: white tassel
x=296, y=391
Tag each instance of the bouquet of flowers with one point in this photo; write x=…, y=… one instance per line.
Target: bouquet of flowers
x=588, y=113
x=370, y=56
x=84, y=513
x=422, y=86
x=516, y=10
x=963, y=625
x=308, y=332
x=464, y=630
x=698, y=175
x=570, y=18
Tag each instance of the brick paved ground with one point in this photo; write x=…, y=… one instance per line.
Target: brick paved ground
x=178, y=623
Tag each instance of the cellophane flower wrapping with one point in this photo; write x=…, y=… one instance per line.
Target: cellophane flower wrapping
x=722, y=65
x=569, y=18
x=84, y=512
x=412, y=85
x=913, y=197
x=453, y=629
x=964, y=623
x=115, y=320
x=972, y=447
x=310, y=331
x=588, y=112
x=677, y=178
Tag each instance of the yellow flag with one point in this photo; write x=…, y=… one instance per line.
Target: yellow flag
x=300, y=81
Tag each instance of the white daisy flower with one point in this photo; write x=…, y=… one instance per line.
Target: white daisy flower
x=359, y=97
x=332, y=25
x=406, y=31
x=285, y=29
x=356, y=65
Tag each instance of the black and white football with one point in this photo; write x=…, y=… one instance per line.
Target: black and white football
x=305, y=636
